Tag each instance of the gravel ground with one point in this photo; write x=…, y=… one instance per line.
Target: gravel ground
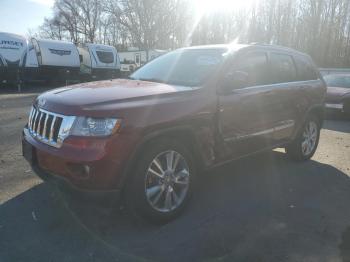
x=262, y=208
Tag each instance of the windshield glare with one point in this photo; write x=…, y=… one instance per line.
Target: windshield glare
x=337, y=80
x=189, y=67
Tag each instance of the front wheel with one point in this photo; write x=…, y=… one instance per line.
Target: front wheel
x=305, y=144
x=162, y=181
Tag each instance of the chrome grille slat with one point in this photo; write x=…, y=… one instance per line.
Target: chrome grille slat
x=34, y=118
x=36, y=122
x=52, y=133
x=39, y=123
x=30, y=116
x=52, y=130
x=44, y=128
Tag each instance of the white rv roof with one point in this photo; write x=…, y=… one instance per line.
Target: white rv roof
x=5, y=34
x=54, y=42
x=97, y=46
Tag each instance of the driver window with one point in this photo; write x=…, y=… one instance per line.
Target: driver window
x=254, y=65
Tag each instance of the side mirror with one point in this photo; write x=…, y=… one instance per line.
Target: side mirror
x=233, y=80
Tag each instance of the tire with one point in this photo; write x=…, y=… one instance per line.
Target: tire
x=155, y=192
x=305, y=144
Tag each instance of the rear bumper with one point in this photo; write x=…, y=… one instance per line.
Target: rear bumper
x=334, y=106
x=342, y=107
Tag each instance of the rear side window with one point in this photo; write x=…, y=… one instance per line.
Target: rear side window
x=105, y=57
x=282, y=68
x=255, y=65
x=306, y=70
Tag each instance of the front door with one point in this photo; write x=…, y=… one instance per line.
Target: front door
x=248, y=112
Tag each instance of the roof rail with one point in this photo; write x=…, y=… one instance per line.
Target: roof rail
x=277, y=46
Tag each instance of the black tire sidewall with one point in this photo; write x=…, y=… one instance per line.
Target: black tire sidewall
x=295, y=149
x=136, y=197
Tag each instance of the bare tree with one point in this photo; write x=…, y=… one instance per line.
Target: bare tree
x=318, y=27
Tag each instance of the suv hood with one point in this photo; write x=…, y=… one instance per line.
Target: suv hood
x=335, y=94
x=108, y=95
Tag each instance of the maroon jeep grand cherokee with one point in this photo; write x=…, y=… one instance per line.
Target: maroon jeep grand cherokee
x=148, y=137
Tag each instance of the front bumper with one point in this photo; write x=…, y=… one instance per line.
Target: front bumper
x=95, y=169
x=111, y=196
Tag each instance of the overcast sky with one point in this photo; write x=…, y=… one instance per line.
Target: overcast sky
x=17, y=16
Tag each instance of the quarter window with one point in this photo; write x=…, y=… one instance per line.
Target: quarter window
x=282, y=68
x=306, y=70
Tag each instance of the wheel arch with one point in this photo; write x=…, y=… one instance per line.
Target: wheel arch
x=318, y=111
x=185, y=135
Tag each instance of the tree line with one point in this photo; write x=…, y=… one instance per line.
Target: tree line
x=320, y=28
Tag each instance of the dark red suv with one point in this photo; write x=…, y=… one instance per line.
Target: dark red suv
x=149, y=137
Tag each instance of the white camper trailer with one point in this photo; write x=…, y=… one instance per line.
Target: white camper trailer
x=98, y=62
x=57, y=60
x=133, y=58
x=12, y=53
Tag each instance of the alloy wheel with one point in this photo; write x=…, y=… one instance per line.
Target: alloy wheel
x=309, y=138
x=167, y=181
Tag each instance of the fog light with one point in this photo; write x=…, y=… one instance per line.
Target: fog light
x=79, y=171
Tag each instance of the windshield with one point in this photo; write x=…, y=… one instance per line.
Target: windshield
x=338, y=80
x=191, y=67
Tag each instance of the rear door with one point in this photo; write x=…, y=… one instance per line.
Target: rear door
x=311, y=87
x=285, y=85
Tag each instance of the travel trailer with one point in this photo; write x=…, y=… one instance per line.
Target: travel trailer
x=98, y=62
x=57, y=60
x=12, y=54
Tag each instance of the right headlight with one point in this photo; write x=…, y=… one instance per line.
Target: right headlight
x=89, y=126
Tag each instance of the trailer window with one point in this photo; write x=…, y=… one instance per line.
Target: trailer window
x=105, y=57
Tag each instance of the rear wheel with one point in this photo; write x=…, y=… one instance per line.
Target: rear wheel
x=162, y=181
x=305, y=144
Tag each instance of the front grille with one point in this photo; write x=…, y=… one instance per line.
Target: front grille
x=49, y=128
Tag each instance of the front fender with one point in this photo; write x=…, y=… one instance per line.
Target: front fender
x=200, y=141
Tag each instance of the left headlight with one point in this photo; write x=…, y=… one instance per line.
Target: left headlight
x=89, y=126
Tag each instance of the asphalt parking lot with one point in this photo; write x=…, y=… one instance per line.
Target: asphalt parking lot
x=262, y=208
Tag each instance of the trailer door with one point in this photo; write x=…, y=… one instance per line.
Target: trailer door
x=138, y=59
